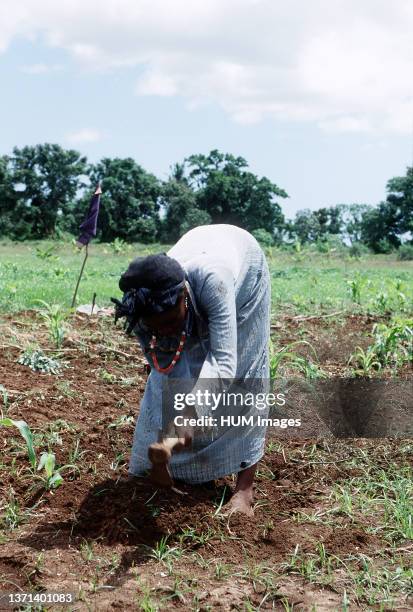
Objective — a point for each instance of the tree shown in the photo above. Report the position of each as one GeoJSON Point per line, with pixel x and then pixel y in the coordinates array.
{"type": "Point", "coordinates": [400, 199]}
{"type": "Point", "coordinates": [384, 227]}
{"type": "Point", "coordinates": [44, 179]}
{"type": "Point", "coordinates": [179, 203]}
{"type": "Point", "coordinates": [130, 200]}
{"type": "Point", "coordinates": [7, 197]}
{"type": "Point", "coordinates": [306, 226]}
{"type": "Point", "coordinates": [353, 216]}
{"type": "Point", "coordinates": [379, 228]}
{"type": "Point", "coordinates": [229, 193]}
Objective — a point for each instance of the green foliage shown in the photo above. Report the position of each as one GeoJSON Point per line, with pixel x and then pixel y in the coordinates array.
{"type": "Point", "coordinates": [119, 246]}
{"type": "Point", "coordinates": [25, 431]}
{"type": "Point", "coordinates": [52, 478]}
{"type": "Point", "coordinates": [358, 249]}
{"type": "Point", "coordinates": [37, 361]}
{"type": "Point", "coordinates": [54, 315]}
{"type": "Point", "coordinates": [129, 205]}
{"type": "Point", "coordinates": [316, 225]}
{"type": "Point", "coordinates": [181, 210]}
{"type": "Point", "coordinates": [294, 361]}
{"type": "Point", "coordinates": [405, 252]}
{"type": "Point", "coordinates": [47, 254]}
{"type": "Point", "coordinates": [392, 347]}
{"type": "Point", "coordinates": [263, 237]}
{"type": "Point", "coordinates": [365, 362]}
{"type": "Point", "coordinates": [356, 284]}
{"type": "Point", "coordinates": [40, 183]}
{"type": "Point", "coordinates": [229, 193]}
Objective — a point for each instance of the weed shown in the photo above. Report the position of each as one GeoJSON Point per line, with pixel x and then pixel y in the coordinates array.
{"type": "Point", "coordinates": [46, 254]}
{"type": "Point", "coordinates": [162, 551]}
{"type": "Point", "coordinates": [37, 361]}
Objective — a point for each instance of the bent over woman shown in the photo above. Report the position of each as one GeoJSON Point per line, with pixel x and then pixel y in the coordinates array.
{"type": "Point", "coordinates": [201, 311]}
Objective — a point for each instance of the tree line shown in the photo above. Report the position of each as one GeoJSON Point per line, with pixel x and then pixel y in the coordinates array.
{"type": "Point", "coordinates": [45, 191]}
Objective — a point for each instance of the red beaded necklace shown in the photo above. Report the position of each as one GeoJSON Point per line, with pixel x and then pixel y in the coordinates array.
{"type": "Point", "coordinates": [175, 359]}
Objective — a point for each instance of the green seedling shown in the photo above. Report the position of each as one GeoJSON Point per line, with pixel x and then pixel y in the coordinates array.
{"type": "Point", "coordinates": [54, 315]}
{"type": "Point", "coordinates": [47, 254]}
{"type": "Point", "coordinates": [52, 478]}
{"type": "Point", "coordinates": [25, 431]}
{"type": "Point", "coordinates": [366, 362]}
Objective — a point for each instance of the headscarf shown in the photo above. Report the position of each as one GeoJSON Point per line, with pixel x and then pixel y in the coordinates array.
{"type": "Point", "coordinates": [151, 285]}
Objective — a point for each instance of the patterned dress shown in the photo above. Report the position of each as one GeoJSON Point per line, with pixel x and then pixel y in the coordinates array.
{"type": "Point", "coordinates": [228, 338]}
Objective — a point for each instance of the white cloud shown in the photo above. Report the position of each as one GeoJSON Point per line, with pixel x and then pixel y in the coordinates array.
{"type": "Point", "coordinates": [84, 135]}
{"type": "Point", "coordinates": [343, 65]}
{"type": "Point", "coordinates": [41, 68]}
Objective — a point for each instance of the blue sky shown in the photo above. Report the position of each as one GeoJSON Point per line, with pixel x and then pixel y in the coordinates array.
{"type": "Point", "coordinates": [319, 102]}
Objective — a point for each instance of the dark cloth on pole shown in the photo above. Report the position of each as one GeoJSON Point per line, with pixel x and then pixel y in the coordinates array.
{"type": "Point", "coordinates": [89, 225]}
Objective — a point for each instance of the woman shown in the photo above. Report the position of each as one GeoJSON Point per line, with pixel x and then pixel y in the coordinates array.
{"type": "Point", "coordinates": [201, 311]}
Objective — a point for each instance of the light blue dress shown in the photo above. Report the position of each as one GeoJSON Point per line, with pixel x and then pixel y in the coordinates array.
{"type": "Point", "coordinates": [229, 285]}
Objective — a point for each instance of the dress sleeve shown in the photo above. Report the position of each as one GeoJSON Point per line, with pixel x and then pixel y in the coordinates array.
{"type": "Point", "coordinates": [217, 300]}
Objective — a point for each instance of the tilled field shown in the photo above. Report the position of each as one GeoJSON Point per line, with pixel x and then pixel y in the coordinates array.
{"type": "Point", "coordinates": [333, 519]}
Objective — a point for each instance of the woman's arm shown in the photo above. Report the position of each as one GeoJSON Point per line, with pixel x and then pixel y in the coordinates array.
{"type": "Point", "coordinates": [217, 301]}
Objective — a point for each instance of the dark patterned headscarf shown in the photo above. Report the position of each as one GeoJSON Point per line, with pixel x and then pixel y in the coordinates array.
{"type": "Point", "coordinates": [150, 285]}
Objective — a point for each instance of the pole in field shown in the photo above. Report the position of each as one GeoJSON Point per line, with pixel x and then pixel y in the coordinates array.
{"type": "Point", "coordinates": [88, 231]}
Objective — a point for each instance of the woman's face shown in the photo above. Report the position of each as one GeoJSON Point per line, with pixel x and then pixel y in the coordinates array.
{"type": "Point", "coordinates": [168, 323]}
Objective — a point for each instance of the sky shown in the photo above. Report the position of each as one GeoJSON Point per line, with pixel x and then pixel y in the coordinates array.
{"type": "Point", "coordinates": [317, 96]}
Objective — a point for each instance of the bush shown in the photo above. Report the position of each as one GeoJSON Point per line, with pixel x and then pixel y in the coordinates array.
{"type": "Point", "coordinates": [405, 252]}
{"type": "Point", "coordinates": [263, 237]}
{"type": "Point", "coordinates": [358, 249]}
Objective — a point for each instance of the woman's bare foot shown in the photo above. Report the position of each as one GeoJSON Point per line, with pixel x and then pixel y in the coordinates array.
{"type": "Point", "coordinates": [240, 502]}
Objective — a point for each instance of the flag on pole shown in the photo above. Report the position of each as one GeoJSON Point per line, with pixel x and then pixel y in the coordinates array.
{"type": "Point", "coordinates": [89, 225]}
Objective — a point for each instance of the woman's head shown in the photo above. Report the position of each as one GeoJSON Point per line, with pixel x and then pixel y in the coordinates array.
{"type": "Point", "coordinates": [155, 285]}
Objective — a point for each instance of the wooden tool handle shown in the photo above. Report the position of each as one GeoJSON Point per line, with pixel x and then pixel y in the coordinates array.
{"type": "Point", "coordinates": [160, 452]}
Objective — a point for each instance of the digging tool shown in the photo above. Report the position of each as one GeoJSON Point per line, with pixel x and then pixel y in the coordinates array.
{"type": "Point", "coordinates": [159, 454]}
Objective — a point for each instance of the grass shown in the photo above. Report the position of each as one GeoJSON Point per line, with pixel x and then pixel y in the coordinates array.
{"type": "Point", "coordinates": [305, 284]}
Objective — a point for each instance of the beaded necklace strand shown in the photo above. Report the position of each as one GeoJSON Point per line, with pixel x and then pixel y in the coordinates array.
{"type": "Point", "coordinates": [176, 357]}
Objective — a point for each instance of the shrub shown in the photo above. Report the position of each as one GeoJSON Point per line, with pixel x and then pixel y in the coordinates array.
{"type": "Point", "coordinates": [405, 252]}
{"type": "Point", "coordinates": [358, 249]}
{"type": "Point", "coordinates": [264, 237]}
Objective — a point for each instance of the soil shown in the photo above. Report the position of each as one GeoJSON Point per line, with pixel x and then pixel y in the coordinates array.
{"type": "Point", "coordinates": [98, 505]}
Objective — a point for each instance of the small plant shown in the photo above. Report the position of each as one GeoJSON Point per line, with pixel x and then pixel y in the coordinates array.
{"type": "Point", "coordinates": [162, 551]}
{"type": "Point", "coordinates": [365, 361]}
{"type": "Point", "coordinates": [47, 254]}
{"type": "Point", "coordinates": [5, 397]}
{"type": "Point", "coordinates": [356, 284]}
{"type": "Point", "coordinates": [52, 478]}
{"type": "Point", "coordinates": [37, 361]}
{"type": "Point", "coordinates": [119, 246]}
{"type": "Point", "coordinates": [393, 343]}
{"type": "Point", "coordinates": [122, 421]}
{"type": "Point", "coordinates": [25, 431]}
{"type": "Point", "coordinates": [293, 360]}
{"type": "Point", "coordinates": [107, 377]}
{"type": "Point", "coordinates": [382, 302]}
{"type": "Point", "coordinates": [54, 316]}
